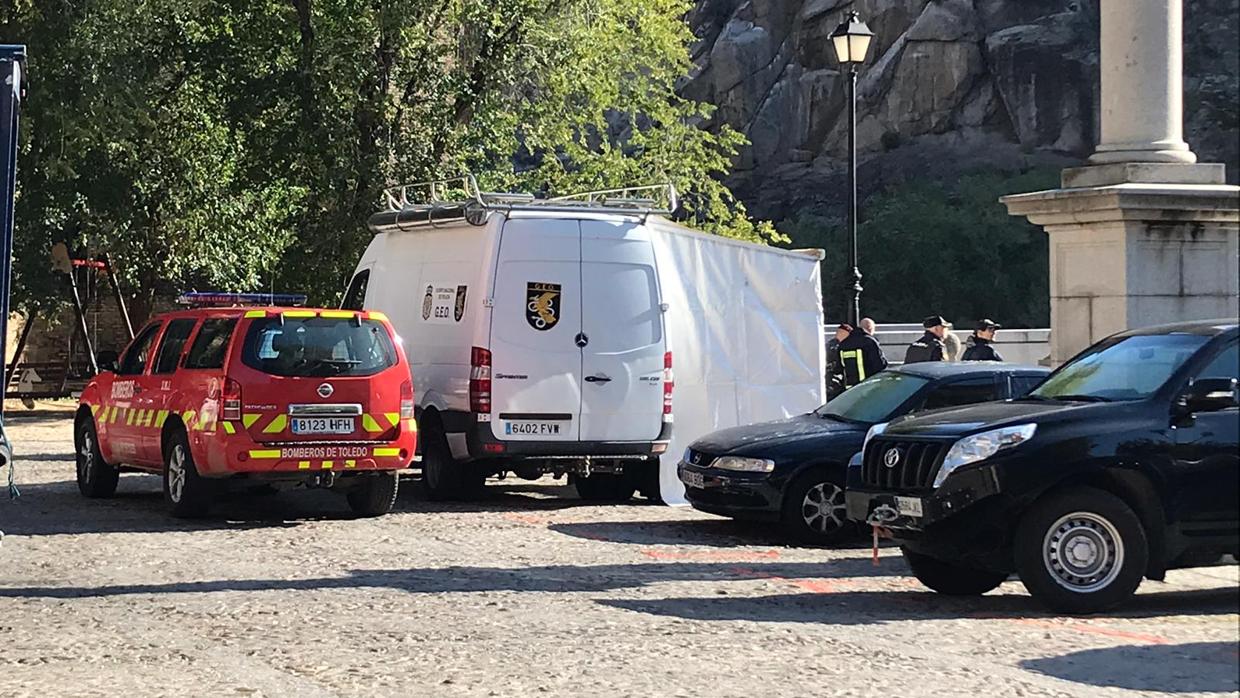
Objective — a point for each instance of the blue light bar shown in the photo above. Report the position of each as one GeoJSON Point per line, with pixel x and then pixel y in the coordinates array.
{"type": "Point", "coordinates": [206, 298]}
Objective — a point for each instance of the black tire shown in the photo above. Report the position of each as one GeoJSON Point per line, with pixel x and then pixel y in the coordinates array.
{"type": "Point", "coordinates": [604, 487]}
{"type": "Point", "coordinates": [96, 478]}
{"type": "Point", "coordinates": [443, 478]}
{"type": "Point", "coordinates": [813, 510]}
{"type": "Point", "coordinates": [952, 579]}
{"type": "Point", "coordinates": [1112, 558]}
{"type": "Point", "coordinates": [187, 494]}
{"type": "Point", "coordinates": [374, 494]}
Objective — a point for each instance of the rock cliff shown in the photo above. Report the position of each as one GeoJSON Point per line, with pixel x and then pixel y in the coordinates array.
{"type": "Point", "coordinates": [950, 86]}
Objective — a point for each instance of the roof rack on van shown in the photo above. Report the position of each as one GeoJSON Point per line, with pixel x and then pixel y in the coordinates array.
{"type": "Point", "coordinates": [443, 201]}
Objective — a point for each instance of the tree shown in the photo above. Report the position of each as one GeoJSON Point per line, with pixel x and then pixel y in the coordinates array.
{"type": "Point", "coordinates": [932, 248]}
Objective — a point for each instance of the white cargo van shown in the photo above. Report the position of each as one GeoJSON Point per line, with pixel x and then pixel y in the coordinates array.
{"type": "Point", "coordinates": [536, 330]}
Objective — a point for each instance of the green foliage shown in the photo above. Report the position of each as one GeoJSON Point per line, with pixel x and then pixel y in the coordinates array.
{"type": "Point", "coordinates": [243, 143]}
{"type": "Point", "coordinates": [933, 248]}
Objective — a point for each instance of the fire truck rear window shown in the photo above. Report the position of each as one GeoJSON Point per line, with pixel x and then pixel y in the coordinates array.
{"type": "Point", "coordinates": [318, 347]}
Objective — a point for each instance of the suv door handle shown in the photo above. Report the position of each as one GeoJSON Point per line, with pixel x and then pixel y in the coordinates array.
{"type": "Point", "coordinates": [597, 379]}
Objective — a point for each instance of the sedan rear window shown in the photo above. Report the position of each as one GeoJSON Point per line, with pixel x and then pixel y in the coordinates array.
{"type": "Point", "coordinates": [318, 346]}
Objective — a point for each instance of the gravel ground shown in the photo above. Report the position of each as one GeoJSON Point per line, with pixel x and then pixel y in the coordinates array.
{"type": "Point", "coordinates": [529, 592]}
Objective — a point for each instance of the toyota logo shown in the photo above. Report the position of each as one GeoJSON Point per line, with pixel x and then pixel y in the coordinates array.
{"type": "Point", "coordinates": [891, 458]}
{"type": "Point", "coordinates": [325, 390]}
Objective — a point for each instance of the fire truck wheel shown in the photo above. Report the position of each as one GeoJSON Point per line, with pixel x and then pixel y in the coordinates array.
{"type": "Point", "coordinates": [187, 493]}
{"type": "Point", "coordinates": [96, 477]}
{"type": "Point", "coordinates": [374, 495]}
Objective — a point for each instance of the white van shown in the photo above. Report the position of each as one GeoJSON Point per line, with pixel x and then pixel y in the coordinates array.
{"type": "Point", "coordinates": [536, 331]}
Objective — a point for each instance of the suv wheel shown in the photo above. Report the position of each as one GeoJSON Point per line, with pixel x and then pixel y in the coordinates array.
{"type": "Point", "coordinates": [1081, 550]}
{"type": "Point", "coordinates": [604, 487]}
{"type": "Point", "coordinates": [187, 493]}
{"type": "Point", "coordinates": [96, 478]}
{"type": "Point", "coordinates": [374, 494]}
{"type": "Point", "coordinates": [950, 578]}
{"type": "Point", "coordinates": [442, 477]}
{"type": "Point", "coordinates": [814, 510]}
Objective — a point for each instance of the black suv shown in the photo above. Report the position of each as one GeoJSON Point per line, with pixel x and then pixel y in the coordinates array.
{"type": "Point", "coordinates": [1122, 465]}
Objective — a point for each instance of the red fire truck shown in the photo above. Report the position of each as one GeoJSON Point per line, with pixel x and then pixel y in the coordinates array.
{"type": "Point", "coordinates": [277, 394]}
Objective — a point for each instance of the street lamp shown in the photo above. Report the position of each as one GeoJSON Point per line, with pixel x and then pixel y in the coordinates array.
{"type": "Point", "coordinates": [852, 42]}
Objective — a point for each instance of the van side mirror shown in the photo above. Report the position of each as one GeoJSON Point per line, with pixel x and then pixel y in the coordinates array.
{"type": "Point", "coordinates": [1209, 395]}
{"type": "Point", "coordinates": [107, 360]}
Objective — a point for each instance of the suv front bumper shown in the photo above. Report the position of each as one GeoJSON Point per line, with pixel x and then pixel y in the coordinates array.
{"type": "Point", "coordinates": [959, 494]}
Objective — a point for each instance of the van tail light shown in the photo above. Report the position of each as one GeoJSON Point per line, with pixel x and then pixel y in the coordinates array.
{"type": "Point", "coordinates": [231, 401]}
{"type": "Point", "coordinates": [669, 384]}
{"type": "Point", "coordinates": [480, 380]}
{"type": "Point", "coordinates": [406, 400]}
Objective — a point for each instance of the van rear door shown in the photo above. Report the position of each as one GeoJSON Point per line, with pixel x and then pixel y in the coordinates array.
{"type": "Point", "coordinates": [622, 360]}
{"type": "Point", "coordinates": [535, 322]}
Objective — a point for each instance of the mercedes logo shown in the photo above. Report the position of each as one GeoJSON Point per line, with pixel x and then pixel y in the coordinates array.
{"type": "Point", "coordinates": [325, 390]}
{"type": "Point", "coordinates": [891, 458]}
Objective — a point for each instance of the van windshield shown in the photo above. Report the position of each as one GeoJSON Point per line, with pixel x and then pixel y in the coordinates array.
{"type": "Point", "coordinates": [317, 346]}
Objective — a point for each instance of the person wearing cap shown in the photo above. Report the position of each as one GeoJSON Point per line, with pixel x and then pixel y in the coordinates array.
{"type": "Point", "coordinates": [861, 355]}
{"type": "Point", "coordinates": [930, 346]}
{"type": "Point", "coordinates": [981, 346]}
{"type": "Point", "coordinates": [835, 370]}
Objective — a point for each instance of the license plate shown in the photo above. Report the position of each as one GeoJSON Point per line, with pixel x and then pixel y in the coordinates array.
{"type": "Point", "coordinates": [692, 479]}
{"type": "Point", "coordinates": [533, 428]}
{"type": "Point", "coordinates": [909, 506]}
{"type": "Point", "coordinates": [323, 425]}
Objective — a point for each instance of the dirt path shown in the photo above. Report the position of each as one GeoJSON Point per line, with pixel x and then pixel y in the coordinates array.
{"type": "Point", "coordinates": [529, 592]}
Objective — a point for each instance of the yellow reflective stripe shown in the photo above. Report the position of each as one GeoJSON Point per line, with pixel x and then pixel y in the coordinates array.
{"type": "Point", "coordinates": [247, 420]}
{"type": "Point", "coordinates": [161, 417]}
{"type": "Point", "coordinates": [376, 315]}
{"type": "Point", "coordinates": [277, 425]}
{"type": "Point", "coordinates": [350, 463]}
{"type": "Point", "coordinates": [337, 313]}
{"type": "Point", "coordinates": [94, 410]}
{"type": "Point", "coordinates": [129, 415]}
{"type": "Point", "coordinates": [369, 423]}
{"type": "Point", "coordinates": [303, 465]}
{"type": "Point", "coordinates": [855, 355]}
{"type": "Point", "coordinates": [327, 465]}
{"type": "Point", "coordinates": [382, 452]}
{"type": "Point", "coordinates": [150, 419]}
{"type": "Point", "coordinates": [393, 417]}
{"type": "Point", "coordinates": [188, 417]}
{"type": "Point", "coordinates": [266, 453]}
{"type": "Point", "coordinates": [228, 428]}
{"type": "Point", "coordinates": [255, 313]}
{"type": "Point", "coordinates": [103, 413]}
{"type": "Point", "coordinates": [411, 425]}
{"type": "Point", "coordinates": [115, 413]}
{"type": "Point", "coordinates": [298, 313]}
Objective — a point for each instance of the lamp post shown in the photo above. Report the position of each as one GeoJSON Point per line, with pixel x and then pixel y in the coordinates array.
{"type": "Point", "coordinates": [852, 41]}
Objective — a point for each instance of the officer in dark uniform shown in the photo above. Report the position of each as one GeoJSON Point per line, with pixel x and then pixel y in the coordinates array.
{"type": "Point", "coordinates": [930, 346]}
{"type": "Point", "coordinates": [860, 356]}
{"type": "Point", "coordinates": [981, 347]}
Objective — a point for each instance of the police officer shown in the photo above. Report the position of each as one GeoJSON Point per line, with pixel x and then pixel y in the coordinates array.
{"type": "Point", "coordinates": [980, 345]}
{"type": "Point", "coordinates": [860, 356]}
{"type": "Point", "coordinates": [930, 346]}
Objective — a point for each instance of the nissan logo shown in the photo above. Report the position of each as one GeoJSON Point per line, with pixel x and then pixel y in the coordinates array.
{"type": "Point", "coordinates": [325, 390]}
{"type": "Point", "coordinates": [891, 458]}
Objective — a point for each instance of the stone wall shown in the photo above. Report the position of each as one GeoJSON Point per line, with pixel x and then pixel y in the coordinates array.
{"type": "Point", "coordinates": [951, 85]}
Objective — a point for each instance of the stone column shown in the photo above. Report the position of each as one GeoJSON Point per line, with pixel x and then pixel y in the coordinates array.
{"type": "Point", "coordinates": [1142, 70]}
{"type": "Point", "coordinates": [1145, 235]}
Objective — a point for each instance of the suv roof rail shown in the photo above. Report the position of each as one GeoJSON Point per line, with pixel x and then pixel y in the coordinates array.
{"type": "Point", "coordinates": [442, 201]}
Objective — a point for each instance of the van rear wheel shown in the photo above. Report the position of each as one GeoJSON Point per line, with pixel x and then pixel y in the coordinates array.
{"type": "Point", "coordinates": [442, 477]}
{"type": "Point", "coordinates": [604, 487]}
{"type": "Point", "coordinates": [187, 493]}
{"type": "Point", "coordinates": [374, 494]}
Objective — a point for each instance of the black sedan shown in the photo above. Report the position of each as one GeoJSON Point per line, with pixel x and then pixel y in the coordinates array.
{"type": "Point", "coordinates": [793, 470]}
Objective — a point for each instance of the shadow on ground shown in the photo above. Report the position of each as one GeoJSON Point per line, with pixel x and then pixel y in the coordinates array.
{"type": "Point", "coordinates": [862, 607]}
{"type": "Point", "coordinates": [1200, 667]}
{"type": "Point", "coordinates": [719, 533]}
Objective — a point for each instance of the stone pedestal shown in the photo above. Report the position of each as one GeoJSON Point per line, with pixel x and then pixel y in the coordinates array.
{"type": "Point", "coordinates": [1136, 244]}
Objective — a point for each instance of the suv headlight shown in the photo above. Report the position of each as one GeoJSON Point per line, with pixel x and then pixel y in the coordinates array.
{"type": "Point", "coordinates": [745, 465]}
{"type": "Point", "coordinates": [874, 431]}
{"type": "Point", "coordinates": [972, 449]}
